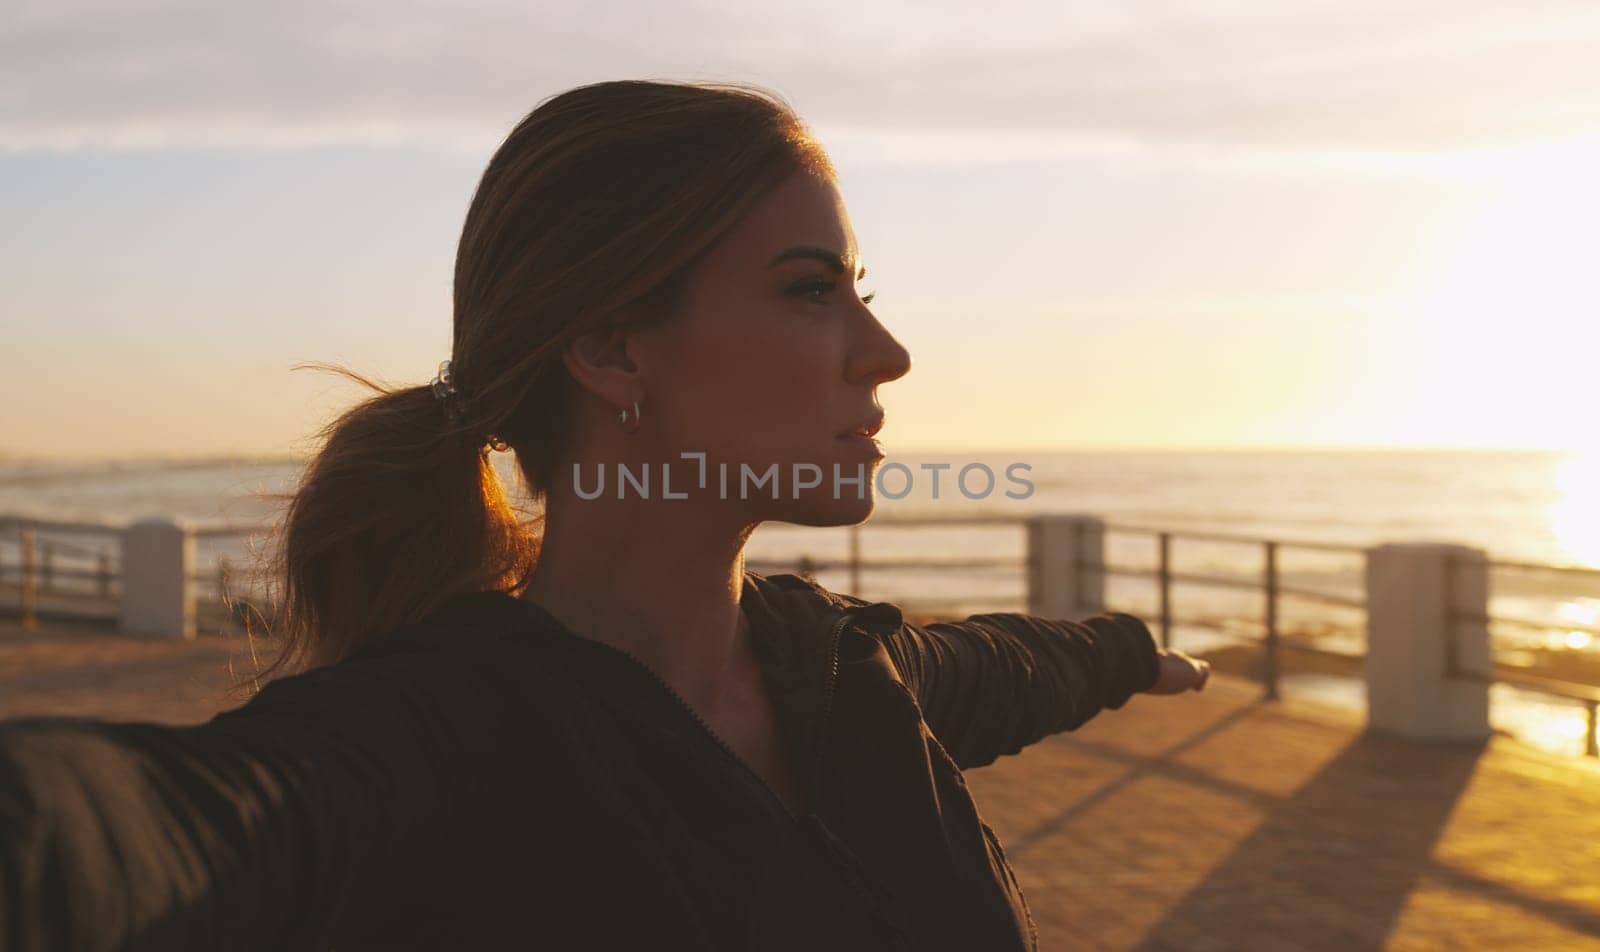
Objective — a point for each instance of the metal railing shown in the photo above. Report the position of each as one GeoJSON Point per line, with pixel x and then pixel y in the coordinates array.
{"type": "Point", "coordinates": [37, 571]}
{"type": "Point", "coordinates": [40, 569]}
{"type": "Point", "coordinates": [42, 560]}
{"type": "Point", "coordinates": [1270, 585]}
{"type": "Point", "coordinates": [1587, 695]}
{"type": "Point", "coordinates": [1272, 588]}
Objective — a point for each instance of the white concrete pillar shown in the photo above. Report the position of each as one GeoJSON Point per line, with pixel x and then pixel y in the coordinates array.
{"type": "Point", "coordinates": [1065, 555]}
{"type": "Point", "coordinates": [1408, 692]}
{"type": "Point", "coordinates": [157, 594]}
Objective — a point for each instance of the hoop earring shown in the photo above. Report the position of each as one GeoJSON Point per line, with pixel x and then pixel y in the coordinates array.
{"type": "Point", "coordinates": [623, 416]}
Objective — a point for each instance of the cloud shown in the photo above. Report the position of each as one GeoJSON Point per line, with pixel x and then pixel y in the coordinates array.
{"type": "Point", "coordinates": [1357, 77]}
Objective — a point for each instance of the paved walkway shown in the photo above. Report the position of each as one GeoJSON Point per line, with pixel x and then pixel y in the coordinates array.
{"type": "Point", "coordinates": [91, 673]}
{"type": "Point", "coordinates": [1195, 822]}
{"type": "Point", "coordinates": [1215, 821]}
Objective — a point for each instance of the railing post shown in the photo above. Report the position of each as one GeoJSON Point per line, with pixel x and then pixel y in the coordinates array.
{"type": "Point", "coordinates": [157, 591]}
{"type": "Point", "coordinates": [1414, 604]}
{"type": "Point", "coordinates": [806, 571]}
{"type": "Point", "coordinates": [1164, 575]}
{"type": "Point", "coordinates": [1066, 565]}
{"type": "Point", "coordinates": [1270, 668]}
{"type": "Point", "coordinates": [26, 596]}
{"type": "Point", "coordinates": [103, 573]}
{"type": "Point", "coordinates": [47, 567]}
{"type": "Point", "coordinates": [1590, 746]}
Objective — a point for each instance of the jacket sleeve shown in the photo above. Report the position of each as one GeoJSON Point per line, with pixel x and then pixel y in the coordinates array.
{"type": "Point", "coordinates": [993, 683]}
{"type": "Point", "coordinates": [259, 829]}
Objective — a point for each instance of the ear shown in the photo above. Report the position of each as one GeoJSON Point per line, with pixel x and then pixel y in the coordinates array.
{"type": "Point", "coordinates": [600, 363]}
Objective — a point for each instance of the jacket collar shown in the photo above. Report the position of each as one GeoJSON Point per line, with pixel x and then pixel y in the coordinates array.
{"type": "Point", "coordinates": [791, 619]}
{"type": "Point", "coordinates": [805, 636]}
{"type": "Point", "coordinates": [791, 623]}
{"type": "Point", "coordinates": [800, 630]}
{"type": "Point", "coordinates": [795, 608]}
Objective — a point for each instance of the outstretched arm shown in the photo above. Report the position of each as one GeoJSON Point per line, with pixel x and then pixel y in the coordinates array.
{"type": "Point", "coordinates": [993, 683]}
{"type": "Point", "coordinates": [263, 828]}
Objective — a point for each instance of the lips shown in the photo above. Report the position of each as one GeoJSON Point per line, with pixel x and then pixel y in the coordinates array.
{"type": "Point", "coordinates": [867, 428]}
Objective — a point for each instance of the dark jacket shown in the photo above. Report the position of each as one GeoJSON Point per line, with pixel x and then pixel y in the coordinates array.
{"type": "Point", "coordinates": [487, 779]}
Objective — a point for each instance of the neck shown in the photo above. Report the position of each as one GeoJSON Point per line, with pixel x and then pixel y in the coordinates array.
{"type": "Point", "coordinates": [656, 580]}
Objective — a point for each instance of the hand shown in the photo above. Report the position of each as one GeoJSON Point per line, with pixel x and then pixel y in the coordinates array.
{"type": "Point", "coordinates": [1179, 673]}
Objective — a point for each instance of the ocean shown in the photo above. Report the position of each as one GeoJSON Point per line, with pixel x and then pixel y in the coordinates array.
{"type": "Point", "coordinates": [1523, 506]}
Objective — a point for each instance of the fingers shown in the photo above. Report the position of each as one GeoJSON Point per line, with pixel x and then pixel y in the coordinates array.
{"type": "Point", "coordinates": [1181, 672]}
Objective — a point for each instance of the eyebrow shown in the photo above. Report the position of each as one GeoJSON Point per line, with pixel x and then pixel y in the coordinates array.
{"type": "Point", "coordinates": [832, 259]}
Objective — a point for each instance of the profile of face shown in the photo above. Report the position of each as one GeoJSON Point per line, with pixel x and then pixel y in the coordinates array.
{"type": "Point", "coordinates": [773, 358]}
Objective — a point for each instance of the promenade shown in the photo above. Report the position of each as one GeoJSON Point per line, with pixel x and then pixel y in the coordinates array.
{"type": "Point", "coordinates": [1209, 821]}
{"type": "Point", "coordinates": [1216, 821]}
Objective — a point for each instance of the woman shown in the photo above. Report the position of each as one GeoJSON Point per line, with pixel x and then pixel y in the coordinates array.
{"type": "Point", "coordinates": [605, 734]}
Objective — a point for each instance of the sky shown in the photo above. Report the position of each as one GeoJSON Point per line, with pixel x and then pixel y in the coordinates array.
{"type": "Point", "coordinates": [1120, 225]}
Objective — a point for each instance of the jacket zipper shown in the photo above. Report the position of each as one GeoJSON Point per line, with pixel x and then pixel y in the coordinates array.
{"type": "Point", "coordinates": [814, 782]}
{"type": "Point", "coordinates": [761, 783]}
{"type": "Point", "coordinates": [855, 874]}
{"type": "Point", "coordinates": [820, 830]}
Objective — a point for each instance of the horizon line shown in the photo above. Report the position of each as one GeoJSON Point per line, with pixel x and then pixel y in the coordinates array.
{"type": "Point", "coordinates": [290, 457]}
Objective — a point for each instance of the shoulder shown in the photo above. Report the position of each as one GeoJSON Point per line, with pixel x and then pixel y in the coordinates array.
{"type": "Point", "coordinates": [465, 621]}
{"type": "Point", "coordinates": [459, 651]}
{"type": "Point", "coordinates": [805, 596]}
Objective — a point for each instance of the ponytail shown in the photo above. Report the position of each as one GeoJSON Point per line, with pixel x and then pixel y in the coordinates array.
{"type": "Point", "coordinates": [397, 513]}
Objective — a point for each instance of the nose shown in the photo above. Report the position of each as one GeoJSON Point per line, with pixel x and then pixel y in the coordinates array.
{"type": "Point", "coordinates": [876, 356]}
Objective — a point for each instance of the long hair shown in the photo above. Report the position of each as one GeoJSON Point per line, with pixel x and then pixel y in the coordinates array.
{"type": "Point", "coordinates": [595, 207]}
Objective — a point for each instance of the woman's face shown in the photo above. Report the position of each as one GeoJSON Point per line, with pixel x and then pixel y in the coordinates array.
{"type": "Point", "coordinates": [772, 357]}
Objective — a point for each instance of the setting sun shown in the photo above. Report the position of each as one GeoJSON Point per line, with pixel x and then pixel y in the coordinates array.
{"type": "Point", "coordinates": [1575, 514]}
{"type": "Point", "coordinates": [1502, 313]}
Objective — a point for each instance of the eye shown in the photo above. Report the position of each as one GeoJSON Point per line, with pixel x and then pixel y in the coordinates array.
{"type": "Point", "coordinates": [818, 287]}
